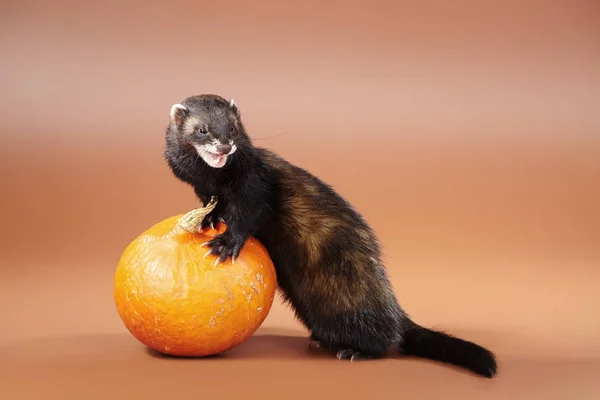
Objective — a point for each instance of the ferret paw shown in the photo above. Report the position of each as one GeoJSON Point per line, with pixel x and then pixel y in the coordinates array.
{"type": "Point", "coordinates": [209, 221]}
{"type": "Point", "coordinates": [224, 246]}
{"type": "Point", "coordinates": [351, 354]}
{"type": "Point", "coordinates": [314, 342]}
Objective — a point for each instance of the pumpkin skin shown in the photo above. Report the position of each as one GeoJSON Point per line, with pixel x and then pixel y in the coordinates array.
{"type": "Point", "coordinates": [177, 302]}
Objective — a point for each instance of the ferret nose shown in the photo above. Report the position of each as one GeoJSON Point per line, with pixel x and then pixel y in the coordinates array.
{"type": "Point", "coordinates": [224, 148]}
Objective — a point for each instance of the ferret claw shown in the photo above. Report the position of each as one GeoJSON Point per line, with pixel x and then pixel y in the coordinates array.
{"type": "Point", "coordinates": [349, 354]}
{"type": "Point", "coordinates": [208, 253]}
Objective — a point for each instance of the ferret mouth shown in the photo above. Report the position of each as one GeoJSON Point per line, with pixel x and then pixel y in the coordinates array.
{"type": "Point", "coordinates": [212, 158]}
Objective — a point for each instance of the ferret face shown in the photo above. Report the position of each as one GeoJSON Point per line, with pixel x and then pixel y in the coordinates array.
{"type": "Point", "coordinates": [211, 125]}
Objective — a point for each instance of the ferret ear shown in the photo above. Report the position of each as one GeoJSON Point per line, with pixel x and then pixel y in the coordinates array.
{"type": "Point", "coordinates": [234, 107]}
{"type": "Point", "coordinates": [178, 114]}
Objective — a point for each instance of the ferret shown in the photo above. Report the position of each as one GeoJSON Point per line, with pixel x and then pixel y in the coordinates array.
{"type": "Point", "coordinates": [327, 258]}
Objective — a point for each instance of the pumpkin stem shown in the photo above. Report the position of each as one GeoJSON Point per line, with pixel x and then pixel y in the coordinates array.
{"type": "Point", "coordinates": [191, 221]}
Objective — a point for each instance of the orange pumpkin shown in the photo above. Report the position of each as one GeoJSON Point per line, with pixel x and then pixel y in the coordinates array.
{"type": "Point", "coordinates": [174, 300]}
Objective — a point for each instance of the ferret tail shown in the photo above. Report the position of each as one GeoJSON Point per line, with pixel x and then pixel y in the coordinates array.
{"type": "Point", "coordinates": [440, 346]}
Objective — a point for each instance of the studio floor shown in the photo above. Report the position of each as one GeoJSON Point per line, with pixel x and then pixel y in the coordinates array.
{"type": "Point", "coordinates": [62, 339]}
{"type": "Point", "coordinates": [270, 365]}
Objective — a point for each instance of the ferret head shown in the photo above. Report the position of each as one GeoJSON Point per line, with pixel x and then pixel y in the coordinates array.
{"type": "Point", "coordinates": [210, 124]}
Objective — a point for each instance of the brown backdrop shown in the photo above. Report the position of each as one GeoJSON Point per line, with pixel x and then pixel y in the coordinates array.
{"type": "Point", "coordinates": [464, 131]}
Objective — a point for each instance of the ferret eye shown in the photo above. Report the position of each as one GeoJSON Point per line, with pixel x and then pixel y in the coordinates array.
{"type": "Point", "coordinates": [232, 130]}
{"type": "Point", "coordinates": [202, 131]}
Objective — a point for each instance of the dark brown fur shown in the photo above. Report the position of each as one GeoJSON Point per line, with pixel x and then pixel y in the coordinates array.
{"type": "Point", "coordinates": [317, 218]}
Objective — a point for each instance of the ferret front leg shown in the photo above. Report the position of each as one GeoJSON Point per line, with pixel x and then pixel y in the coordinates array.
{"type": "Point", "coordinates": [243, 217]}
